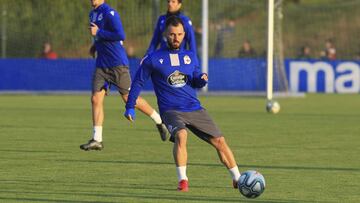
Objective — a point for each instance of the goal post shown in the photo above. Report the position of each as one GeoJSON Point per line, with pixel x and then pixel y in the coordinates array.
{"type": "Point", "coordinates": [226, 26]}
{"type": "Point", "coordinates": [270, 50]}
{"type": "Point", "coordinates": [205, 39]}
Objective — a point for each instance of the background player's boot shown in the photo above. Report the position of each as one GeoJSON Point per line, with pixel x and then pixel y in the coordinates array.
{"type": "Point", "coordinates": [183, 186]}
{"type": "Point", "coordinates": [92, 145]}
{"type": "Point", "coordinates": [163, 131]}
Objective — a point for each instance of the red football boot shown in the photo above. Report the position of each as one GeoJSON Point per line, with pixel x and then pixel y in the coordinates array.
{"type": "Point", "coordinates": [183, 186]}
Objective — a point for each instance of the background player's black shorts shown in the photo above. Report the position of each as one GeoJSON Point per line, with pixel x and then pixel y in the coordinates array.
{"type": "Point", "coordinates": [199, 122]}
{"type": "Point", "coordinates": [118, 76]}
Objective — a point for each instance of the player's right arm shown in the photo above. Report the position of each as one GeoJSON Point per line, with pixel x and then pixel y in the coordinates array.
{"type": "Point", "coordinates": [92, 50]}
{"type": "Point", "coordinates": [156, 39]}
{"type": "Point", "coordinates": [141, 76]}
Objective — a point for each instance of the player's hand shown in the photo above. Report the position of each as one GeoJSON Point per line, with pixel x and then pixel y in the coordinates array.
{"type": "Point", "coordinates": [204, 76]}
{"type": "Point", "coordinates": [130, 114]}
{"type": "Point", "coordinates": [93, 29]}
{"type": "Point", "coordinates": [92, 51]}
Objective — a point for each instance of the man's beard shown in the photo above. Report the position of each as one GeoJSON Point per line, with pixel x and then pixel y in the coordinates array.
{"type": "Point", "coordinates": [173, 46]}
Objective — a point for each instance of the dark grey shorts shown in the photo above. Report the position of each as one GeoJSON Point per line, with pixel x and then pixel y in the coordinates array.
{"type": "Point", "coordinates": [198, 122]}
{"type": "Point", "coordinates": [118, 76]}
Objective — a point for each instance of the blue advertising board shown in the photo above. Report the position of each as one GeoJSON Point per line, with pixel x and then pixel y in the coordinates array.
{"type": "Point", "coordinates": [323, 76]}
{"type": "Point", "coordinates": [224, 75]}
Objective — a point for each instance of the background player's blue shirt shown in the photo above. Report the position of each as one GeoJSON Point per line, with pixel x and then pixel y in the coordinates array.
{"type": "Point", "coordinates": [175, 76]}
{"type": "Point", "coordinates": [158, 37]}
{"type": "Point", "coordinates": [109, 38]}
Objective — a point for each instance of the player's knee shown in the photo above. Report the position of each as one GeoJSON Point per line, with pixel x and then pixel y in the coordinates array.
{"type": "Point", "coordinates": [181, 136]}
{"type": "Point", "coordinates": [96, 99]}
{"type": "Point", "coordinates": [219, 142]}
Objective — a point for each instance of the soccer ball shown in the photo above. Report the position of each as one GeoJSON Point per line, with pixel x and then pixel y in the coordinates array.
{"type": "Point", "coordinates": [251, 184]}
{"type": "Point", "coordinates": [273, 107]}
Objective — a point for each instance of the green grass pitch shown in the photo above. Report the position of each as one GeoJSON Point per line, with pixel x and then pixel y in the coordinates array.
{"type": "Point", "coordinates": [309, 152]}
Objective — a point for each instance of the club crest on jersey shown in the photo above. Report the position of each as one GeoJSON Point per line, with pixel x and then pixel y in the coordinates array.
{"type": "Point", "coordinates": [100, 17]}
{"type": "Point", "coordinates": [187, 59]}
{"type": "Point", "coordinates": [177, 79]}
{"type": "Point", "coordinates": [161, 61]}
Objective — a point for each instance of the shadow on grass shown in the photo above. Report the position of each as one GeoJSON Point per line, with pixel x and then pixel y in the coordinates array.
{"type": "Point", "coordinates": [129, 162]}
{"type": "Point", "coordinates": [5, 199]}
{"type": "Point", "coordinates": [85, 184]}
{"type": "Point", "coordinates": [29, 151]}
{"type": "Point", "coordinates": [136, 197]}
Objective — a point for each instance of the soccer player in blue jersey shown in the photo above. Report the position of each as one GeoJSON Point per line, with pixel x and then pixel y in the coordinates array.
{"type": "Point", "coordinates": [112, 68]}
{"type": "Point", "coordinates": [174, 7]}
{"type": "Point", "coordinates": [175, 74]}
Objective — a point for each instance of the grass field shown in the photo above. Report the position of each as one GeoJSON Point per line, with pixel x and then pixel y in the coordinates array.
{"type": "Point", "coordinates": [307, 153]}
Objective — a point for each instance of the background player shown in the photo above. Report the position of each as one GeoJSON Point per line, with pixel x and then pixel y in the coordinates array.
{"type": "Point", "coordinates": [176, 75]}
{"type": "Point", "coordinates": [112, 68]}
{"type": "Point", "coordinates": [174, 7]}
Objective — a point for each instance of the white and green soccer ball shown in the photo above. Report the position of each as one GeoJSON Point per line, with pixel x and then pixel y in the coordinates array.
{"type": "Point", "coordinates": [273, 107]}
{"type": "Point", "coordinates": [251, 184]}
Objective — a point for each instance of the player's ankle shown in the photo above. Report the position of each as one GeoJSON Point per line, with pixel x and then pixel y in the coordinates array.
{"type": "Point", "coordinates": [156, 117]}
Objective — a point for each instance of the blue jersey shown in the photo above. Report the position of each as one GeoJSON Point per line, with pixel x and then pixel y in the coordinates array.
{"type": "Point", "coordinates": [109, 38]}
{"type": "Point", "coordinates": [175, 75]}
{"type": "Point", "coordinates": [158, 37]}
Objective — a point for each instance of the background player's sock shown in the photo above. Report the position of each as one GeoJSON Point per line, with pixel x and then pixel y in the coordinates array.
{"type": "Point", "coordinates": [181, 173]}
{"type": "Point", "coordinates": [97, 133]}
{"type": "Point", "coordinates": [234, 172]}
{"type": "Point", "coordinates": [156, 117]}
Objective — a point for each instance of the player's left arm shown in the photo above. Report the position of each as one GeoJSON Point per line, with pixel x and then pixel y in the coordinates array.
{"type": "Point", "coordinates": [141, 76]}
{"type": "Point", "coordinates": [116, 32]}
{"type": "Point", "coordinates": [92, 51]}
{"type": "Point", "coordinates": [200, 79]}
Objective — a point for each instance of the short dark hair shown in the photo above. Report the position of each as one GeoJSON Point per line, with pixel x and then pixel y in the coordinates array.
{"type": "Point", "coordinates": [173, 20]}
{"type": "Point", "coordinates": [179, 1]}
